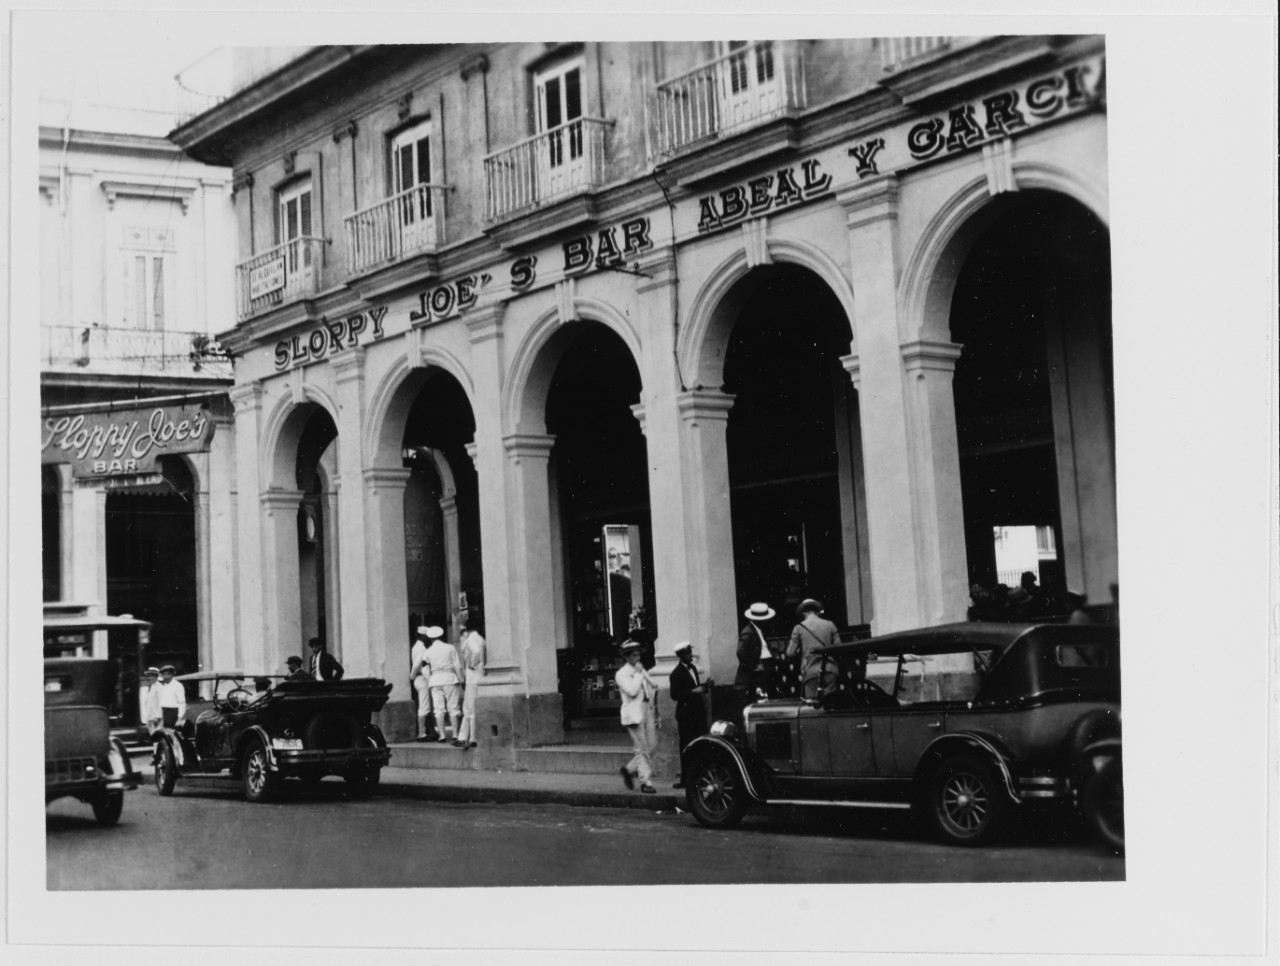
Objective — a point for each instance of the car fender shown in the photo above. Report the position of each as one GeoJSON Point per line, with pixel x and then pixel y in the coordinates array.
{"type": "Point", "coordinates": [968, 741]}
{"type": "Point", "coordinates": [375, 736]}
{"type": "Point", "coordinates": [261, 734]}
{"type": "Point", "coordinates": [744, 761]}
{"type": "Point", "coordinates": [175, 743]}
{"type": "Point", "coordinates": [118, 759]}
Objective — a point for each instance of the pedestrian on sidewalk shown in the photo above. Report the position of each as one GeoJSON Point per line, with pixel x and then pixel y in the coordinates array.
{"type": "Point", "coordinates": [166, 704]}
{"type": "Point", "coordinates": [638, 697]}
{"type": "Point", "coordinates": [324, 666]}
{"type": "Point", "coordinates": [419, 677]}
{"type": "Point", "coordinates": [473, 658]}
{"type": "Point", "coordinates": [149, 678]}
{"type": "Point", "coordinates": [687, 690]}
{"type": "Point", "coordinates": [446, 676]}
{"type": "Point", "coordinates": [755, 660]}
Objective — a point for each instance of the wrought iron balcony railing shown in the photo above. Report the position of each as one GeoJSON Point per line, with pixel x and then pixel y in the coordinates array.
{"type": "Point", "coordinates": [403, 225]}
{"type": "Point", "coordinates": [279, 275]}
{"type": "Point", "coordinates": [747, 86]}
{"type": "Point", "coordinates": [555, 164]}
{"type": "Point", "coordinates": [125, 351]}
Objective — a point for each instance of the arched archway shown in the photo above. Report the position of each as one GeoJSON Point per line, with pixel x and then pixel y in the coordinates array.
{"type": "Point", "coordinates": [315, 465]}
{"type": "Point", "coordinates": [1030, 302]}
{"type": "Point", "coordinates": [794, 450]}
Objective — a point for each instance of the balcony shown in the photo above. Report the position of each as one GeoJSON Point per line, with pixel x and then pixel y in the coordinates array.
{"type": "Point", "coordinates": [410, 223]}
{"type": "Point", "coordinates": [744, 88]}
{"type": "Point", "coordinates": [896, 52]}
{"type": "Point", "coordinates": [556, 164]}
{"type": "Point", "coordinates": [122, 351]}
{"type": "Point", "coordinates": [278, 276]}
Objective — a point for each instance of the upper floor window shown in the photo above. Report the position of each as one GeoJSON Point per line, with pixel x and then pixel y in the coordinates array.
{"type": "Point", "coordinates": [294, 223]}
{"type": "Point", "coordinates": [748, 85]}
{"type": "Point", "coordinates": [146, 256]}
{"type": "Point", "coordinates": [559, 93]}
{"type": "Point", "coordinates": [411, 169]}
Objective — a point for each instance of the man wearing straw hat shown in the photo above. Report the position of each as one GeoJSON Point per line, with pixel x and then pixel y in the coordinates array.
{"type": "Point", "coordinates": [638, 697]}
{"type": "Point", "coordinates": [754, 656]}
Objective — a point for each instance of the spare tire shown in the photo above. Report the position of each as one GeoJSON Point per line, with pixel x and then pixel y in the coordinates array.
{"type": "Point", "coordinates": [333, 731]}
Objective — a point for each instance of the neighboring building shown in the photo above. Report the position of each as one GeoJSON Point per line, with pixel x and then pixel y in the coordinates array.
{"type": "Point", "coordinates": [759, 320]}
{"type": "Point", "coordinates": [136, 247]}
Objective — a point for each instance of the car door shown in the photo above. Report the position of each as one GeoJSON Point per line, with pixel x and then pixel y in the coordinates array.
{"type": "Point", "coordinates": [914, 728]}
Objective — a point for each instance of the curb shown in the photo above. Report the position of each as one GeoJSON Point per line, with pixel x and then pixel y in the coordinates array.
{"type": "Point", "coordinates": [530, 796]}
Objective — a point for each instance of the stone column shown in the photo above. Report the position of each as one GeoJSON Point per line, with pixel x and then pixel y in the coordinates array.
{"type": "Point", "coordinates": [222, 605]}
{"type": "Point", "coordinates": [871, 217]}
{"type": "Point", "coordinates": [85, 239]}
{"type": "Point", "coordinates": [939, 512]}
{"type": "Point", "coordinates": [387, 654]}
{"type": "Point", "coordinates": [88, 571]}
{"type": "Point", "coordinates": [708, 528]}
{"type": "Point", "coordinates": [853, 497]}
{"type": "Point", "coordinates": [66, 531]}
{"type": "Point", "coordinates": [250, 558]}
{"type": "Point", "coordinates": [204, 615]}
{"type": "Point", "coordinates": [332, 570]}
{"type": "Point", "coordinates": [358, 626]}
{"type": "Point", "coordinates": [533, 590]}
{"type": "Point", "coordinates": [282, 599]}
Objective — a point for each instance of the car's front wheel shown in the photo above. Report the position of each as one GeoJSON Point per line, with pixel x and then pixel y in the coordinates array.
{"type": "Point", "coordinates": [166, 770]}
{"type": "Point", "coordinates": [716, 793]}
{"type": "Point", "coordinates": [1104, 805]}
{"type": "Point", "coordinates": [966, 804]}
{"type": "Point", "coordinates": [259, 780]}
{"type": "Point", "coordinates": [108, 806]}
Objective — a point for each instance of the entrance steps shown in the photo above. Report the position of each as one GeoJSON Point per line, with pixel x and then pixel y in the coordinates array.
{"type": "Point", "coordinates": [591, 747]}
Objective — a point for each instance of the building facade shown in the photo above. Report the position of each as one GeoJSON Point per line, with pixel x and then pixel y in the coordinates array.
{"type": "Point", "coordinates": [588, 340]}
{"type": "Point", "coordinates": [137, 478]}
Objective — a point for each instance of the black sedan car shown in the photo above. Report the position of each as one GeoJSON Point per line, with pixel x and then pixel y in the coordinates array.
{"type": "Point", "coordinates": [262, 729]}
{"type": "Point", "coordinates": [965, 723]}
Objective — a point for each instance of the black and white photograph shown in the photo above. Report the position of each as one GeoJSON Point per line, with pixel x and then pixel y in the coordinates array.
{"type": "Point", "coordinates": [641, 475]}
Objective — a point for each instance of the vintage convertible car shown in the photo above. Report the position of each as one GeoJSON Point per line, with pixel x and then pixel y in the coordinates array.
{"type": "Point", "coordinates": [81, 758]}
{"type": "Point", "coordinates": [262, 728]}
{"type": "Point", "coordinates": [964, 722]}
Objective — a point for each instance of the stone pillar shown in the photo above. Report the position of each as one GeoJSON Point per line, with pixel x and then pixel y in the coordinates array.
{"type": "Point", "coordinates": [356, 623]}
{"type": "Point", "coordinates": [204, 615]}
{"type": "Point", "coordinates": [708, 528]}
{"type": "Point", "coordinates": [88, 526]}
{"type": "Point", "coordinates": [66, 531]}
{"type": "Point", "coordinates": [282, 599]}
{"type": "Point", "coordinates": [387, 655]}
{"type": "Point", "coordinates": [853, 498]}
{"type": "Point", "coordinates": [871, 217]}
{"type": "Point", "coordinates": [86, 237]}
{"type": "Point", "coordinates": [332, 570]}
{"type": "Point", "coordinates": [533, 592]}
{"type": "Point", "coordinates": [247, 402]}
{"type": "Point", "coordinates": [939, 512]}
{"type": "Point", "coordinates": [222, 605]}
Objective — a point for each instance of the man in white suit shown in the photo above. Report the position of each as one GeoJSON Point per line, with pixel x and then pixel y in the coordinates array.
{"type": "Point", "coordinates": [638, 695]}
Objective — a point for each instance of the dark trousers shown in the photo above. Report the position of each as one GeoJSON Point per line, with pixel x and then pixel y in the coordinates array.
{"type": "Point", "coordinates": [691, 722]}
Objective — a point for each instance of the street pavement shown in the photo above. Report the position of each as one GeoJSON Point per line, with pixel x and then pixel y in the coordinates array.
{"type": "Point", "coordinates": [207, 837]}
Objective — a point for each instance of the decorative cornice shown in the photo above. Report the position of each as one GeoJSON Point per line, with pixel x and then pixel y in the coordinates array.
{"type": "Point", "coordinates": [755, 241]}
{"type": "Point", "coordinates": [566, 295]}
{"type": "Point", "coordinates": [348, 364]}
{"type": "Point", "coordinates": [479, 64]}
{"type": "Point", "coordinates": [472, 453]}
{"type": "Point", "coordinates": [528, 446]}
{"type": "Point", "coordinates": [348, 130]}
{"type": "Point", "coordinates": [638, 412]}
{"type": "Point", "coordinates": [870, 201]}
{"type": "Point", "coordinates": [290, 163]}
{"type": "Point", "coordinates": [288, 500]}
{"type": "Point", "coordinates": [926, 354]}
{"type": "Point", "coordinates": [404, 105]}
{"type": "Point", "coordinates": [485, 322]}
{"type": "Point", "coordinates": [853, 366]}
{"type": "Point", "coordinates": [997, 159]}
{"type": "Point", "coordinates": [149, 190]}
{"type": "Point", "coordinates": [386, 477]}
{"type": "Point", "coordinates": [243, 181]}
{"type": "Point", "coordinates": [246, 397]}
{"type": "Point", "coordinates": [696, 405]}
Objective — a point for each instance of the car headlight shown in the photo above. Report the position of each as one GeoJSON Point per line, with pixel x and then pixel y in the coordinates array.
{"type": "Point", "coordinates": [724, 729]}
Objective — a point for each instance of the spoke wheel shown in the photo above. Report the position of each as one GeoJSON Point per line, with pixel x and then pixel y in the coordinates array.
{"type": "Point", "coordinates": [108, 806]}
{"type": "Point", "coordinates": [259, 782]}
{"type": "Point", "coordinates": [967, 804]}
{"type": "Point", "coordinates": [1104, 805]}
{"type": "Point", "coordinates": [166, 769]}
{"type": "Point", "coordinates": [716, 794]}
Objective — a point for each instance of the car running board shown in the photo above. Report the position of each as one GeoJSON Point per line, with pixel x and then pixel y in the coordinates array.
{"type": "Point", "coordinates": [826, 803]}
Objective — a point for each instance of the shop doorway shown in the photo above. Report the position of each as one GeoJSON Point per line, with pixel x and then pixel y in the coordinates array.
{"type": "Point", "coordinates": [317, 542]}
{"type": "Point", "coordinates": [797, 502]}
{"type": "Point", "coordinates": [1034, 400]}
{"type": "Point", "coordinates": [443, 573]}
{"type": "Point", "coordinates": [600, 507]}
{"type": "Point", "coordinates": [51, 533]}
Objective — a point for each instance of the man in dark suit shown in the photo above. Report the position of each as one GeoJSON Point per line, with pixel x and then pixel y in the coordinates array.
{"type": "Point", "coordinates": [755, 660]}
{"type": "Point", "coordinates": [687, 690]}
{"type": "Point", "coordinates": [324, 666]}
{"type": "Point", "coordinates": [295, 669]}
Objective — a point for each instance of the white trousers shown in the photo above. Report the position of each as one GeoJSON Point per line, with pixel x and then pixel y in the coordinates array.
{"type": "Point", "coordinates": [468, 730]}
{"type": "Point", "coordinates": [424, 695]}
{"type": "Point", "coordinates": [644, 739]}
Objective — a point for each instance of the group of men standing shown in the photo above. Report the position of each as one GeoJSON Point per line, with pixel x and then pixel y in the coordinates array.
{"type": "Point", "coordinates": [758, 677]}
{"type": "Point", "coordinates": [441, 672]}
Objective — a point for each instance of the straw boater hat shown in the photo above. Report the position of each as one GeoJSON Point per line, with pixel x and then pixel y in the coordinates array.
{"type": "Point", "coordinates": [627, 646]}
{"type": "Point", "coordinates": [682, 646]}
{"type": "Point", "coordinates": [759, 612]}
{"type": "Point", "coordinates": [434, 632]}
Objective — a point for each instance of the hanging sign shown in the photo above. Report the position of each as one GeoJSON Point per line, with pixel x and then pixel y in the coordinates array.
{"type": "Point", "coordinates": [124, 444]}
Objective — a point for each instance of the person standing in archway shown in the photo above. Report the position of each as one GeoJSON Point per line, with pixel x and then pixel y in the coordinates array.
{"type": "Point", "coordinates": [419, 677]}
{"type": "Point", "coordinates": [754, 656]}
{"type": "Point", "coordinates": [813, 630]}
{"type": "Point", "coordinates": [445, 668]}
{"type": "Point", "coordinates": [473, 660]}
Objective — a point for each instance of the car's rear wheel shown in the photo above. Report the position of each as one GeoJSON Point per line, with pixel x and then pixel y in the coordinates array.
{"type": "Point", "coordinates": [966, 803]}
{"type": "Point", "coordinates": [108, 806]}
{"type": "Point", "coordinates": [1104, 805]}
{"type": "Point", "coordinates": [166, 770]}
{"type": "Point", "coordinates": [716, 793]}
{"type": "Point", "coordinates": [259, 780]}
{"type": "Point", "coordinates": [362, 780]}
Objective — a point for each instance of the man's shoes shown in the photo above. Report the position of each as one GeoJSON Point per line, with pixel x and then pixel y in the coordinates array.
{"type": "Point", "coordinates": [441, 740]}
{"type": "Point", "coordinates": [626, 778]}
{"type": "Point", "coordinates": [471, 744]}
{"type": "Point", "coordinates": [648, 789]}
{"type": "Point", "coordinates": [459, 744]}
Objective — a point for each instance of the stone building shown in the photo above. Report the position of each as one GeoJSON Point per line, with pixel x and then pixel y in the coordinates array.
{"type": "Point", "coordinates": [134, 267]}
{"type": "Point", "coordinates": [606, 338]}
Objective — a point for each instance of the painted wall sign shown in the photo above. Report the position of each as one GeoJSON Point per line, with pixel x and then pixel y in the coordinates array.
{"type": "Point", "coordinates": [128, 443]}
{"type": "Point", "coordinates": [579, 254]}
{"type": "Point", "coordinates": [330, 336]}
{"type": "Point", "coordinates": [266, 279]}
{"type": "Point", "coordinates": [445, 301]}
{"type": "Point", "coordinates": [765, 193]}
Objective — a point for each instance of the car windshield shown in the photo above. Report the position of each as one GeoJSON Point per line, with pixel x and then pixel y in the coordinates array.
{"type": "Point", "coordinates": [952, 676]}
